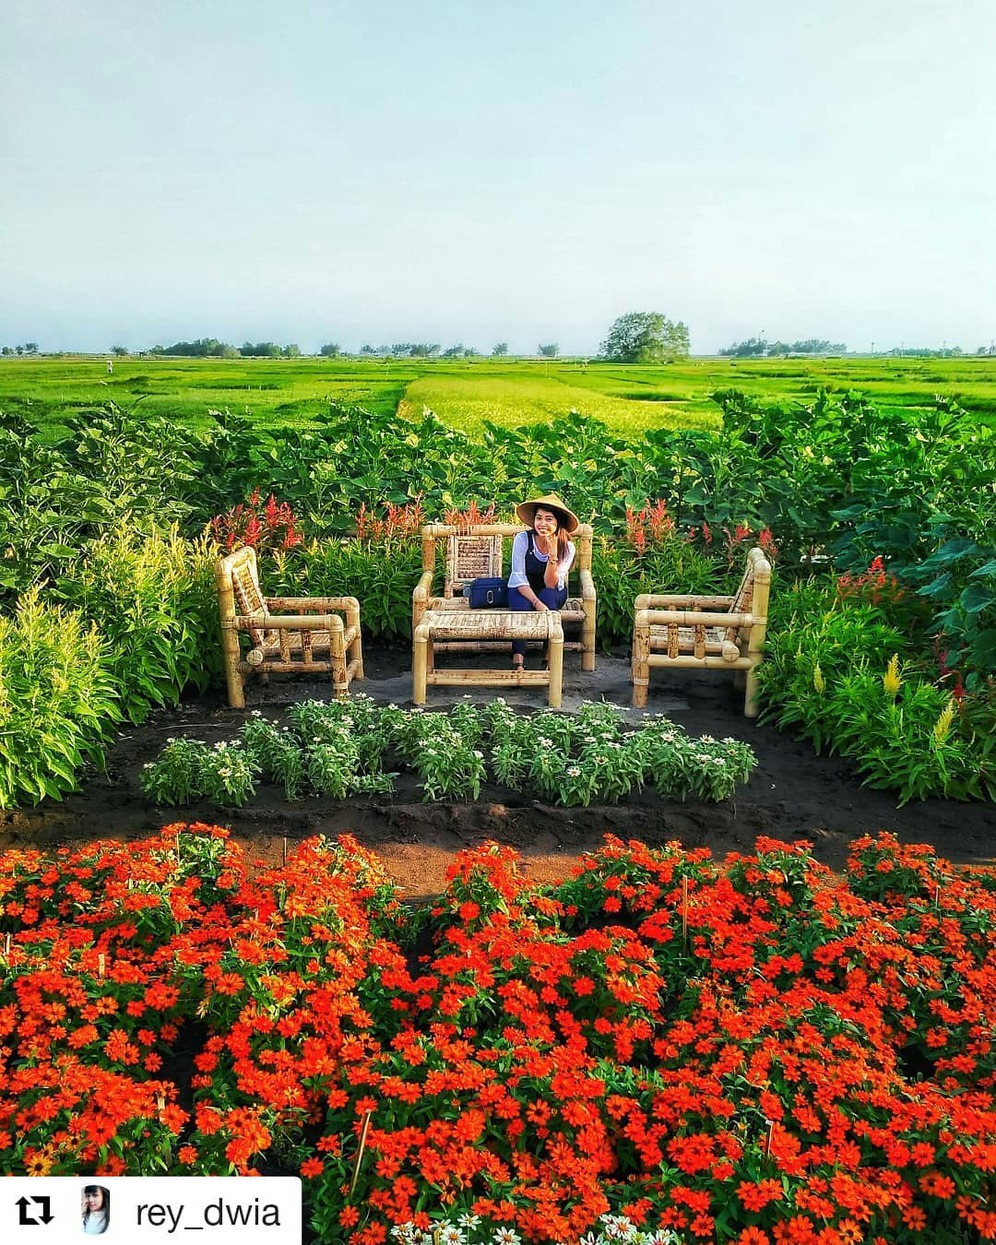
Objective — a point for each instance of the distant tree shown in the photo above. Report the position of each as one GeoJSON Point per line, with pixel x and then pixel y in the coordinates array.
{"type": "Point", "coordinates": [415, 350]}
{"type": "Point", "coordinates": [203, 347]}
{"type": "Point", "coordinates": [367, 350]}
{"type": "Point", "coordinates": [291, 351]}
{"type": "Point", "coordinates": [500, 350]}
{"type": "Point", "coordinates": [330, 350]}
{"type": "Point", "coordinates": [471, 353]}
{"type": "Point", "coordinates": [817, 345]}
{"type": "Point", "coordinates": [549, 351]}
{"type": "Point", "coordinates": [453, 352]}
{"type": "Point", "coordinates": [19, 349]}
{"type": "Point", "coordinates": [6, 350]}
{"type": "Point", "coordinates": [120, 351]}
{"type": "Point", "coordinates": [747, 349]}
{"type": "Point", "coordinates": [30, 347]}
{"type": "Point", "coordinates": [645, 337]}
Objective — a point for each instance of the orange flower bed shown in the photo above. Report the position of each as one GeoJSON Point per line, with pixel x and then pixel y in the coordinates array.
{"type": "Point", "coordinates": [754, 1050]}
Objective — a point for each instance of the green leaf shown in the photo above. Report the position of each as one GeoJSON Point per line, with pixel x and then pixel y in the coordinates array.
{"type": "Point", "coordinates": [975, 599]}
{"type": "Point", "coordinates": [983, 649]}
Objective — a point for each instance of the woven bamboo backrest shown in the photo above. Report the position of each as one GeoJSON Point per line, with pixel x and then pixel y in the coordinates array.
{"type": "Point", "coordinates": [477, 551]}
{"type": "Point", "coordinates": [246, 590]}
{"type": "Point", "coordinates": [468, 557]}
{"type": "Point", "coordinates": [743, 601]}
{"type": "Point", "coordinates": [744, 595]}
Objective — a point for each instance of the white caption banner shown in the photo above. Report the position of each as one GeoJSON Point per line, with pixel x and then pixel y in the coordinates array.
{"type": "Point", "coordinates": [220, 1210]}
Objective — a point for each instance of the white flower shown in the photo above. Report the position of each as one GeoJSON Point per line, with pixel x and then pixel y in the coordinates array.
{"type": "Point", "coordinates": [467, 1220]}
{"type": "Point", "coordinates": [450, 1234]}
{"type": "Point", "coordinates": [505, 1236]}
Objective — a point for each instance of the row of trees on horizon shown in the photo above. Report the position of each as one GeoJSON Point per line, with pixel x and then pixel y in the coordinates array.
{"type": "Point", "coordinates": [637, 337]}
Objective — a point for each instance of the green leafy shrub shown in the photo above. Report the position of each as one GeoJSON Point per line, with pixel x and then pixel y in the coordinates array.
{"type": "Point", "coordinates": [153, 598]}
{"type": "Point", "coordinates": [58, 700]}
{"type": "Point", "coordinates": [339, 749]}
{"type": "Point", "coordinates": [188, 769]}
{"type": "Point", "coordinates": [823, 678]}
{"type": "Point", "coordinates": [959, 580]}
{"type": "Point", "coordinates": [903, 735]}
{"type": "Point", "coordinates": [813, 640]}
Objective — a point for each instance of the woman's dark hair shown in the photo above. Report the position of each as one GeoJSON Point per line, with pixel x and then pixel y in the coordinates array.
{"type": "Point", "coordinates": [98, 1188]}
{"type": "Point", "coordinates": [562, 535]}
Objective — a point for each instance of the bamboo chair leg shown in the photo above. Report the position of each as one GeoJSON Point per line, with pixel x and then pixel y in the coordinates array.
{"type": "Point", "coordinates": [640, 666]}
{"type": "Point", "coordinates": [340, 680]}
{"type": "Point", "coordinates": [752, 706]}
{"type": "Point", "coordinates": [419, 672]}
{"type": "Point", "coordinates": [556, 670]}
{"type": "Point", "coordinates": [230, 649]}
{"type": "Point", "coordinates": [588, 637]}
{"type": "Point", "coordinates": [355, 653]}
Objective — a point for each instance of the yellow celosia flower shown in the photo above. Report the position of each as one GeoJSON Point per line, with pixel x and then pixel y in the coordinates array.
{"type": "Point", "coordinates": [818, 680]}
{"type": "Point", "coordinates": [891, 680]}
{"type": "Point", "coordinates": [943, 724]}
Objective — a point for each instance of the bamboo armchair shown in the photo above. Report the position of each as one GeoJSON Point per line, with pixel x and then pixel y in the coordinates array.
{"type": "Point", "coordinates": [683, 631]}
{"type": "Point", "coordinates": [446, 622]}
{"type": "Point", "coordinates": [311, 638]}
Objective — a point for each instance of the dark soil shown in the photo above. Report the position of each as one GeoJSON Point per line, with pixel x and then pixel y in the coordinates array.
{"type": "Point", "coordinates": [793, 793]}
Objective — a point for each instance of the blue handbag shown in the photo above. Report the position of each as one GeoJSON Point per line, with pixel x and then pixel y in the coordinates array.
{"type": "Point", "coordinates": [487, 593]}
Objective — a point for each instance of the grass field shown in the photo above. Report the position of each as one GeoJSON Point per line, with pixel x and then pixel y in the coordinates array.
{"type": "Point", "coordinates": [630, 399]}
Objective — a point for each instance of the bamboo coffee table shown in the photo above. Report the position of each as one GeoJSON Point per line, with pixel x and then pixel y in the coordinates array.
{"type": "Point", "coordinates": [473, 628]}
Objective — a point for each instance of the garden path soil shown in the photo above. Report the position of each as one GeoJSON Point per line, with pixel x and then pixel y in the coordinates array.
{"type": "Point", "coordinates": [793, 793]}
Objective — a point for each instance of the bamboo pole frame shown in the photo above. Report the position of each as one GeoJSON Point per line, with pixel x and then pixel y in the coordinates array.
{"type": "Point", "coordinates": [578, 610]}
{"type": "Point", "coordinates": [543, 626]}
{"type": "Point", "coordinates": [684, 631]}
{"type": "Point", "coordinates": [309, 636]}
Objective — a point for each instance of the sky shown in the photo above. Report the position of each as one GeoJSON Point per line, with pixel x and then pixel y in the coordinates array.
{"type": "Point", "coordinates": [315, 171]}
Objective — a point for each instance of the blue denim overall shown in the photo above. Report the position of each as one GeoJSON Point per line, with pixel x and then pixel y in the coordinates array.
{"type": "Point", "coordinates": [553, 598]}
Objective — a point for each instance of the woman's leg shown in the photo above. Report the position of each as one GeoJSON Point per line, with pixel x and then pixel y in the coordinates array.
{"type": "Point", "coordinates": [554, 599]}
{"type": "Point", "coordinates": [516, 601]}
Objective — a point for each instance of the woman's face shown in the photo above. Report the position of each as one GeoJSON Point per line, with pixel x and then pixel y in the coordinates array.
{"type": "Point", "coordinates": [545, 521]}
{"type": "Point", "coordinates": [95, 1200]}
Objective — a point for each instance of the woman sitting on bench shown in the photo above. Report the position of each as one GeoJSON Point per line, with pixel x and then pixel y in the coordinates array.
{"type": "Point", "coordinates": [542, 558]}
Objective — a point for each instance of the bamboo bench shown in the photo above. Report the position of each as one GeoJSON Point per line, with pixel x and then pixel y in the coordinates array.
{"type": "Point", "coordinates": [690, 632]}
{"type": "Point", "coordinates": [476, 627]}
{"type": "Point", "coordinates": [313, 639]}
{"type": "Point", "coordinates": [476, 551]}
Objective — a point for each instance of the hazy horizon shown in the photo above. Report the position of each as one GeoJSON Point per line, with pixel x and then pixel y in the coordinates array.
{"type": "Point", "coordinates": [314, 173]}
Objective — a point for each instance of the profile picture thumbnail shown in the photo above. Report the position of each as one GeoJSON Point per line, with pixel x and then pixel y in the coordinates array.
{"type": "Point", "coordinates": [96, 1209]}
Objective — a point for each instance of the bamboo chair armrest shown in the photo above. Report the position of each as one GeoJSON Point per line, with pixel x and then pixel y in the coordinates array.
{"type": "Point", "coordinates": [289, 622]}
{"type": "Point", "coordinates": [305, 605]}
{"type": "Point", "coordinates": [677, 600]}
{"type": "Point", "coordinates": [695, 618]}
{"type": "Point", "coordinates": [587, 585]}
{"type": "Point", "coordinates": [423, 588]}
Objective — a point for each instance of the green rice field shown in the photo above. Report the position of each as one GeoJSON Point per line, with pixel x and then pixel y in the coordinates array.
{"type": "Point", "coordinates": [629, 398]}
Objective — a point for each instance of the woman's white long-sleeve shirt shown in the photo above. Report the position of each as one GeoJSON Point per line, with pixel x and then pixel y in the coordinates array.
{"type": "Point", "coordinates": [517, 578]}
